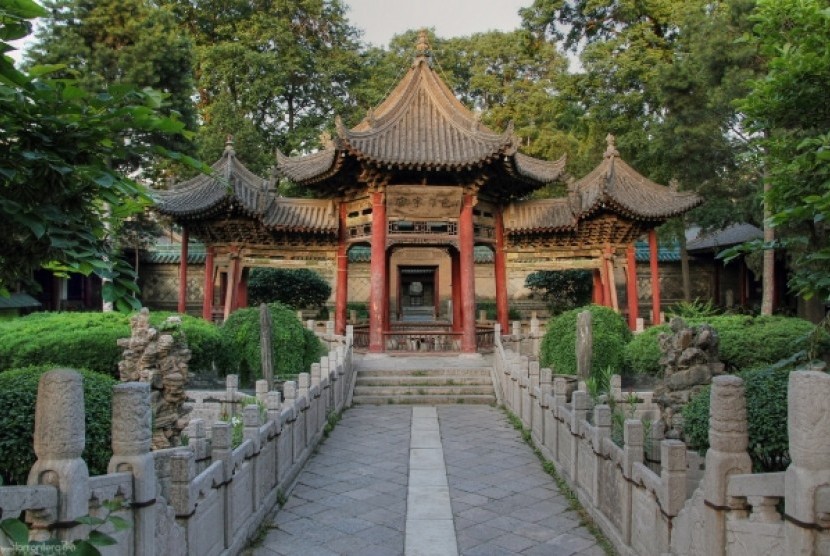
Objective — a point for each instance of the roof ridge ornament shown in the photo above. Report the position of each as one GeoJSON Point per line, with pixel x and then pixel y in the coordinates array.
{"type": "Point", "coordinates": [611, 150]}
{"type": "Point", "coordinates": [674, 184]}
{"type": "Point", "coordinates": [423, 50]}
{"type": "Point", "coordinates": [229, 144]}
{"type": "Point", "coordinates": [325, 140]}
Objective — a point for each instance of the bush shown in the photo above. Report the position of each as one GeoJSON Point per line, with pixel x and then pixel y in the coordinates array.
{"type": "Point", "coordinates": [610, 335]}
{"type": "Point", "coordinates": [298, 288]}
{"type": "Point", "coordinates": [18, 394]}
{"type": "Point", "coordinates": [766, 407]}
{"type": "Point", "coordinates": [562, 289]}
{"type": "Point", "coordinates": [362, 310]}
{"type": "Point", "coordinates": [642, 354]}
{"type": "Point", "coordinates": [89, 340]}
{"type": "Point", "coordinates": [746, 342]}
{"type": "Point", "coordinates": [294, 348]}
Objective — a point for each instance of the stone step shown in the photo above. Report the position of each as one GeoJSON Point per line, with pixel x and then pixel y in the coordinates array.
{"type": "Point", "coordinates": [443, 390]}
{"type": "Point", "coordinates": [434, 380]}
{"type": "Point", "coordinates": [425, 400]}
{"type": "Point", "coordinates": [426, 372]}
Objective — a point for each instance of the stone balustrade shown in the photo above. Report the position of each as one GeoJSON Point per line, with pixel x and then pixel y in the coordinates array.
{"type": "Point", "coordinates": [729, 512]}
{"type": "Point", "coordinates": [206, 498]}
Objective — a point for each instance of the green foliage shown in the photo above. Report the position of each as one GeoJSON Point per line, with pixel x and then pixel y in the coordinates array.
{"type": "Point", "coordinates": [694, 309]}
{"type": "Point", "coordinates": [115, 42]}
{"type": "Point", "coordinates": [59, 193]}
{"type": "Point", "coordinates": [642, 354]}
{"type": "Point", "coordinates": [17, 532]}
{"type": "Point", "coordinates": [294, 349]}
{"type": "Point", "coordinates": [489, 307]}
{"type": "Point", "coordinates": [746, 341]}
{"type": "Point", "coordinates": [89, 340]}
{"type": "Point", "coordinates": [18, 394]}
{"type": "Point", "coordinates": [563, 290]}
{"type": "Point", "coordinates": [599, 383]}
{"type": "Point", "coordinates": [298, 288]}
{"type": "Point", "coordinates": [271, 73]}
{"type": "Point", "coordinates": [361, 308]}
{"type": "Point", "coordinates": [766, 407]}
{"type": "Point", "coordinates": [610, 335]}
{"type": "Point", "coordinates": [787, 108]}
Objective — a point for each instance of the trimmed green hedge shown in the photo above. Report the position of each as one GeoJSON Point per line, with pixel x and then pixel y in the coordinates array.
{"type": "Point", "coordinates": [88, 340]}
{"type": "Point", "coordinates": [766, 407]}
{"type": "Point", "coordinates": [294, 347]}
{"type": "Point", "coordinates": [18, 394]}
{"type": "Point", "coordinates": [746, 342]}
{"type": "Point", "coordinates": [610, 335]}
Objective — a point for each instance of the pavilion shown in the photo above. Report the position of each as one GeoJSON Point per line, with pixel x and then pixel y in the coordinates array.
{"type": "Point", "coordinates": [420, 174]}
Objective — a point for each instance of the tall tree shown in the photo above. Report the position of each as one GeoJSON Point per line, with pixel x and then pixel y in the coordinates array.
{"type": "Point", "coordinates": [58, 188]}
{"type": "Point", "coordinates": [273, 71]}
{"type": "Point", "coordinates": [663, 76]}
{"type": "Point", "coordinates": [103, 43]}
{"type": "Point", "coordinates": [788, 110]}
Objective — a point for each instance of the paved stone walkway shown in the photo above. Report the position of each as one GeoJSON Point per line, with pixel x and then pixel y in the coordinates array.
{"type": "Point", "coordinates": [352, 496]}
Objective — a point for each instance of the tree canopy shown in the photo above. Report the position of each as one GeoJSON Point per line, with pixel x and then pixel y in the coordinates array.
{"type": "Point", "coordinates": [59, 191]}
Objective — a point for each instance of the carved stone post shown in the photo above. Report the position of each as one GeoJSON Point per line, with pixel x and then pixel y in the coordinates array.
{"type": "Point", "coordinates": [59, 442]}
{"type": "Point", "coordinates": [584, 345]}
{"type": "Point", "coordinates": [808, 401]}
{"type": "Point", "coordinates": [602, 430]}
{"type": "Point", "coordinates": [261, 388]}
{"type": "Point", "coordinates": [231, 387]}
{"type": "Point", "coordinates": [131, 438]}
{"type": "Point", "coordinates": [728, 441]}
{"type": "Point", "coordinates": [632, 453]}
{"type": "Point", "coordinates": [672, 476]}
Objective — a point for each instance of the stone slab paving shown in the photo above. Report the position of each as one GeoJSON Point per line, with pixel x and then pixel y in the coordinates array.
{"type": "Point", "coordinates": [503, 502]}
{"type": "Point", "coordinates": [352, 496]}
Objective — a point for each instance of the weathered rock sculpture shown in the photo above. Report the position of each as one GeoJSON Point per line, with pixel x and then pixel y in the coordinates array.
{"type": "Point", "coordinates": [160, 359]}
{"type": "Point", "coordinates": [689, 361]}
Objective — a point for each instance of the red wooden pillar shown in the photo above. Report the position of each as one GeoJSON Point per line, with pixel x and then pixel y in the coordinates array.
{"type": "Point", "coordinates": [466, 241]}
{"type": "Point", "coordinates": [342, 284]}
{"type": "Point", "coordinates": [457, 316]}
{"type": "Point", "coordinates": [598, 296]}
{"type": "Point", "coordinates": [378, 281]}
{"type": "Point", "coordinates": [232, 288]}
{"type": "Point", "coordinates": [207, 302]}
{"type": "Point", "coordinates": [242, 291]}
{"type": "Point", "coordinates": [182, 307]}
{"type": "Point", "coordinates": [631, 287]}
{"type": "Point", "coordinates": [655, 277]}
{"type": "Point", "coordinates": [500, 264]}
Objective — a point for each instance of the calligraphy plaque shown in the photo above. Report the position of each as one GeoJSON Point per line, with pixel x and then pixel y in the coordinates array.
{"type": "Point", "coordinates": [423, 202]}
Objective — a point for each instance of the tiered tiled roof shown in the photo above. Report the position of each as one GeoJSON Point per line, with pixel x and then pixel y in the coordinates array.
{"type": "Point", "coordinates": [422, 126]}
{"type": "Point", "coordinates": [613, 187]}
{"type": "Point", "coordinates": [232, 185]}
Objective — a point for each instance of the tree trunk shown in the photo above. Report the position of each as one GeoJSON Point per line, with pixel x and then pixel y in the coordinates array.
{"type": "Point", "coordinates": [684, 265]}
{"type": "Point", "coordinates": [768, 279]}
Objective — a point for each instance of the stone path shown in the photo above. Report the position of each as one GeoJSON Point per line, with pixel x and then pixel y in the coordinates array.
{"type": "Point", "coordinates": [352, 497]}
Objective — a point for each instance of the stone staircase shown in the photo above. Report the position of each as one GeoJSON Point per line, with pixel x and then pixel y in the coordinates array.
{"type": "Point", "coordinates": [423, 380]}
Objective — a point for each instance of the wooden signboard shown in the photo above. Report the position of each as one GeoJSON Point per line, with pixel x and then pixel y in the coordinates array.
{"type": "Point", "coordinates": [421, 202]}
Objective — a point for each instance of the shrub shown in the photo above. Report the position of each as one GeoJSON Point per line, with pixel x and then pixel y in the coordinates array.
{"type": "Point", "coordinates": [766, 407]}
{"type": "Point", "coordinates": [562, 289]}
{"type": "Point", "coordinates": [610, 335]}
{"type": "Point", "coordinates": [362, 310]}
{"type": "Point", "coordinates": [746, 342]}
{"type": "Point", "coordinates": [297, 288]}
{"type": "Point", "coordinates": [89, 340]}
{"type": "Point", "coordinates": [642, 354]}
{"type": "Point", "coordinates": [18, 394]}
{"type": "Point", "coordinates": [294, 348]}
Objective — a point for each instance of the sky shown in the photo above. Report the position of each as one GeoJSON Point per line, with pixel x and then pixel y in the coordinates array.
{"type": "Point", "coordinates": [381, 19]}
